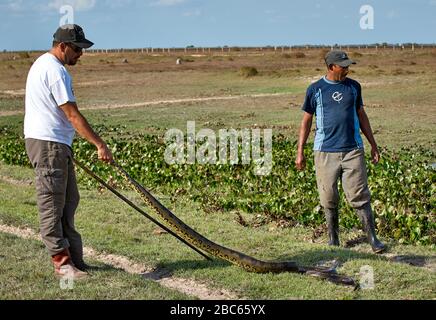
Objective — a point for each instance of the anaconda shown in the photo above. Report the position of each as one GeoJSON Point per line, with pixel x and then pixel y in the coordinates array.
{"type": "Point", "coordinates": [240, 259]}
{"type": "Point", "coordinates": [191, 237]}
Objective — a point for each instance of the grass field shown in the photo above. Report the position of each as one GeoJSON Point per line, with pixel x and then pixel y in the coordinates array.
{"type": "Point", "coordinates": [151, 94]}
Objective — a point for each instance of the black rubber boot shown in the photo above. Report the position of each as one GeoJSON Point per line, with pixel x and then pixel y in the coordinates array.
{"type": "Point", "coordinates": [367, 219]}
{"type": "Point", "coordinates": [82, 266]}
{"type": "Point", "coordinates": [332, 218]}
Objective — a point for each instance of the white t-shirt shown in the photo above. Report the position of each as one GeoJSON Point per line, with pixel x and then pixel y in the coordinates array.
{"type": "Point", "coordinates": [48, 86]}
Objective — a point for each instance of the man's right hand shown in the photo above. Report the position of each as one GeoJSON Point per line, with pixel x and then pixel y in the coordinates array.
{"type": "Point", "coordinates": [104, 154]}
{"type": "Point", "coordinates": [300, 162]}
{"type": "Point", "coordinates": [82, 126]}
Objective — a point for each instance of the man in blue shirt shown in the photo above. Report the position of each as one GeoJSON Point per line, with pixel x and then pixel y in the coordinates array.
{"type": "Point", "coordinates": [336, 101]}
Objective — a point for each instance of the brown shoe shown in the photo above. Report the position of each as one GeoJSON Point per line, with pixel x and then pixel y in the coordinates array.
{"type": "Point", "coordinates": [65, 267]}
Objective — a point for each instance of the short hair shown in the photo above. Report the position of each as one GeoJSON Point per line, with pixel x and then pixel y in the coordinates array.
{"type": "Point", "coordinates": [55, 43]}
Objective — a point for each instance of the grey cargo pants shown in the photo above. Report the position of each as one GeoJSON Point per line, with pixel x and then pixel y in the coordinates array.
{"type": "Point", "coordinates": [57, 196]}
{"type": "Point", "coordinates": [350, 167]}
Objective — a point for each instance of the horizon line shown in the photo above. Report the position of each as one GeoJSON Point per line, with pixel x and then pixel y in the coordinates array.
{"type": "Point", "coordinates": [236, 47]}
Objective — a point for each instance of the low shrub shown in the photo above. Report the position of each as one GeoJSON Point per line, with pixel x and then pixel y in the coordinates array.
{"type": "Point", "coordinates": [247, 72]}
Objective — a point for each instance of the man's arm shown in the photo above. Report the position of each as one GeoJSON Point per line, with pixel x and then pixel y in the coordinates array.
{"type": "Point", "coordinates": [365, 126]}
{"type": "Point", "coordinates": [82, 127]}
{"type": "Point", "coordinates": [306, 125]}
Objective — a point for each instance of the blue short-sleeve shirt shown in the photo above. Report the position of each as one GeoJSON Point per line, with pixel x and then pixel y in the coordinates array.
{"type": "Point", "coordinates": [335, 106]}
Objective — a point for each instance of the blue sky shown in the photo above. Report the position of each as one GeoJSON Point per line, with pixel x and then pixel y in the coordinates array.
{"type": "Point", "coordinates": [30, 24]}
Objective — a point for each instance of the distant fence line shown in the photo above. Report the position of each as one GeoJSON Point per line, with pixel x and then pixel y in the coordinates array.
{"type": "Point", "coordinates": [210, 50]}
{"type": "Point", "coordinates": [227, 49]}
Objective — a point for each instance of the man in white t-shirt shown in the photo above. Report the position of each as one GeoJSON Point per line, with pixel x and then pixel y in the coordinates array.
{"type": "Point", "coordinates": [50, 122]}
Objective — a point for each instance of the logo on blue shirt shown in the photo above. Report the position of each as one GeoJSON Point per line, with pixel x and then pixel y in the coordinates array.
{"type": "Point", "coordinates": [337, 96]}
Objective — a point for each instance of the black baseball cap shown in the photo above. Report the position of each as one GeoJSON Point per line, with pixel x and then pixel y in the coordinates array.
{"type": "Point", "coordinates": [72, 33]}
{"type": "Point", "coordinates": [338, 57]}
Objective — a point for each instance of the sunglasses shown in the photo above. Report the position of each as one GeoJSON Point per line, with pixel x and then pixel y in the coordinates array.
{"type": "Point", "coordinates": [75, 48]}
{"type": "Point", "coordinates": [341, 66]}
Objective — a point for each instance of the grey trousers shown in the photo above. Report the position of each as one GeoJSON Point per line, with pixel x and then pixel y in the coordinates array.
{"type": "Point", "coordinates": [57, 196]}
{"type": "Point", "coordinates": [350, 167]}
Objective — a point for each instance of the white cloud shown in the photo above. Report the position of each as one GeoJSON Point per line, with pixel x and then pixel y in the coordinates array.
{"type": "Point", "coordinates": [79, 5]}
{"type": "Point", "coordinates": [192, 13]}
{"type": "Point", "coordinates": [117, 3]}
{"type": "Point", "coordinates": [393, 14]}
{"type": "Point", "coordinates": [166, 3]}
{"type": "Point", "coordinates": [13, 5]}
{"type": "Point", "coordinates": [47, 5]}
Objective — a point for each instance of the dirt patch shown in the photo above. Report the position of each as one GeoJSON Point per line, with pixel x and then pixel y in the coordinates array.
{"type": "Point", "coordinates": [10, 113]}
{"type": "Point", "coordinates": [16, 182]}
{"type": "Point", "coordinates": [22, 92]}
{"type": "Point", "coordinates": [188, 286]}
{"type": "Point", "coordinates": [116, 261]}
{"type": "Point", "coordinates": [176, 101]}
{"type": "Point", "coordinates": [195, 288]}
{"type": "Point", "coordinates": [14, 93]}
{"type": "Point", "coordinates": [26, 233]}
{"type": "Point", "coordinates": [413, 260]}
{"type": "Point", "coordinates": [161, 276]}
{"type": "Point", "coordinates": [157, 102]}
{"type": "Point", "coordinates": [96, 83]}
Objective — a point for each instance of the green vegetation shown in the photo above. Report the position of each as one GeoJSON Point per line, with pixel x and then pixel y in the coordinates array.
{"type": "Point", "coordinates": [402, 184]}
